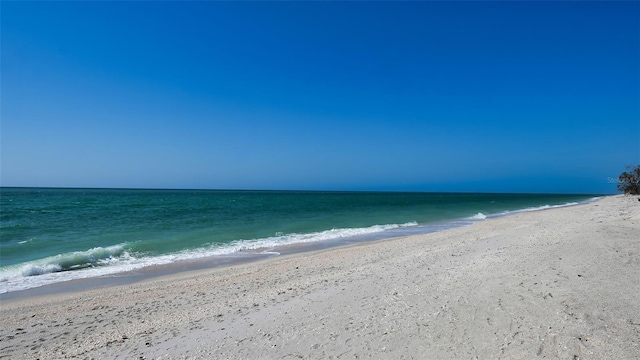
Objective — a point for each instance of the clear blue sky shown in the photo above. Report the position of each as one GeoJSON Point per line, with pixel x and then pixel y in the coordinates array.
{"type": "Point", "coordinates": [430, 96]}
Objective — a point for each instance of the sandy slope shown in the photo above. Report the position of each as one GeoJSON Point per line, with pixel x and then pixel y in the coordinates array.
{"type": "Point", "coordinates": [561, 283]}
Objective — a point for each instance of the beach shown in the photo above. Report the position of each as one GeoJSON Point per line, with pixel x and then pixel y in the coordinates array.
{"type": "Point", "coordinates": [557, 283]}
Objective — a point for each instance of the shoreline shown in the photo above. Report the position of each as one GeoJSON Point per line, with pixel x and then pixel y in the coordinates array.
{"type": "Point", "coordinates": [209, 262]}
{"type": "Point", "coordinates": [555, 283]}
{"type": "Point", "coordinates": [185, 267]}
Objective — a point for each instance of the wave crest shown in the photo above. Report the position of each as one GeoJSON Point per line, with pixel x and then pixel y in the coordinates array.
{"type": "Point", "coordinates": [478, 216]}
{"type": "Point", "coordinates": [33, 269]}
{"type": "Point", "coordinates": [65, 262]}
{"type": "Point", "coordinates": [116, 259]}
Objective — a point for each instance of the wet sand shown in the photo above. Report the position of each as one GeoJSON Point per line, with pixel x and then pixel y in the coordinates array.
{"type": "Point", "coordinates": [558, 283]}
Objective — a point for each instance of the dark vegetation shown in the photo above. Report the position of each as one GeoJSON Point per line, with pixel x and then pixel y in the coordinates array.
{"type": "Point", "coordinates": [629, 181]}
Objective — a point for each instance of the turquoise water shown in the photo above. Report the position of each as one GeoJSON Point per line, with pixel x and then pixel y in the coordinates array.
{"type": "Point", "coordinates": [51, 235]}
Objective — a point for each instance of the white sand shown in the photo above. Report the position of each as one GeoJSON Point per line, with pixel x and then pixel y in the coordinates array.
{"type": "Point", "coordinates": [561, 283]}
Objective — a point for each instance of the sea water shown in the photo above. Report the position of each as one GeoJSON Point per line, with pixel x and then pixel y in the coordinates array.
{"type": "Point", "coordinates": [54, 235]}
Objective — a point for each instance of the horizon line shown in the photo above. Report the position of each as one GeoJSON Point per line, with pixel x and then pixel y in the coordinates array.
{"type": "Point", "coordinates": [296, 190]}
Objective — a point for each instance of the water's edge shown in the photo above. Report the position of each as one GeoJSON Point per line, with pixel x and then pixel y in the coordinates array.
{"type": "Point", "coordinates": [180, 266]}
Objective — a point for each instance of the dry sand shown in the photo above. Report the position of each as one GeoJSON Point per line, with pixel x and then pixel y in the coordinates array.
{"type": "Point", "coordinates": [560, 283]}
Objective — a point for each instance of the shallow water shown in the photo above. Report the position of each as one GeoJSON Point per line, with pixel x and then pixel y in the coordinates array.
{"type": "Point", "coordinates": [53, 235]}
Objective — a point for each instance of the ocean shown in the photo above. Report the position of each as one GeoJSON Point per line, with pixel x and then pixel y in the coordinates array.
{"type": "Point", "coordinates": [54, 235]}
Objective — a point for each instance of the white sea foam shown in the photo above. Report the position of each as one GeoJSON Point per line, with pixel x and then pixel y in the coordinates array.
{"type": "Point", "coordinates": [33, 269]}
{"type": "Point", "coordinates": [478, 216]}
{"type": "Point", "coordinates": [115, 259]}
{"type": "Point", "coordinates": [544, 207]}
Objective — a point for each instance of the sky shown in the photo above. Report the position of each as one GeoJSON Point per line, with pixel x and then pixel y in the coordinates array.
{"type": "Point", "coordinates": [400, 96]}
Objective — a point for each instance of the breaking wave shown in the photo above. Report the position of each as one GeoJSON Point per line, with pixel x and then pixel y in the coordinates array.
{"type": "Point", "coordinates": [117, 259]}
